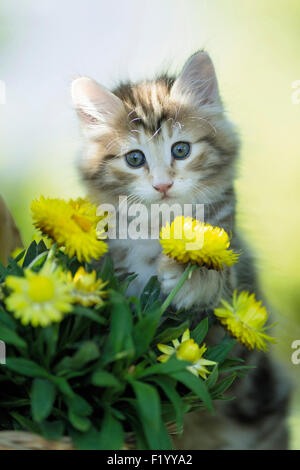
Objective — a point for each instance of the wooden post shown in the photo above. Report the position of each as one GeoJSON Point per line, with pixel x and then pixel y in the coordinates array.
{"type": "Point", "coordinates": [10, 237]}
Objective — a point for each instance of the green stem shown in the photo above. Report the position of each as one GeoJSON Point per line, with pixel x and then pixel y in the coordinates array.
{"type": "Point", "coordinates": [52, 252]}
{"type": "Point", "coordinates": [190, 268]}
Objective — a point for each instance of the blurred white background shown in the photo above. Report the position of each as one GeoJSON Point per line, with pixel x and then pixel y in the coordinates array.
{"type": "Point", "coordinates": [47, 43]}
{"type": "Point", "coordinates": [255, 48]}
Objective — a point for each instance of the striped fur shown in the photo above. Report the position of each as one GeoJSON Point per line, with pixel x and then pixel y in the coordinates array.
{"type": "Point", "coordinates": [151, 116]}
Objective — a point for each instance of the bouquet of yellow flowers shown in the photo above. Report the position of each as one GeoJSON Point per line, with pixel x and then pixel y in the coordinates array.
{"type": "Point", "coordinates": [84, 360]}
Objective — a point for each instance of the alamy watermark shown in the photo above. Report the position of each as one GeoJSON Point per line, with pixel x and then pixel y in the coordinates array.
{"type": "Point", "coordinates": [2, 352]}
{"type": "Point", "coordinates": [141, 221]}
{"type": "Point", "coordinates": [295, 358]}
{"type": "Point", "coordinates": [295, 96]}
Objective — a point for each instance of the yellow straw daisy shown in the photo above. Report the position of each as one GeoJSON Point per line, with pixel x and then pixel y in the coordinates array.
{"type": "Point", "coordinates": [245, 319]}
{"type": "Point", "coordinates": [187, 350]}
{"type": "Point", "coordinates": [189, 241]}
{"type": "Point", "coordinates": [39, 298]}
{"type": "Point", "coordinates": [86, 289]}
{"type": "Point", "coordinates": [71, 224]}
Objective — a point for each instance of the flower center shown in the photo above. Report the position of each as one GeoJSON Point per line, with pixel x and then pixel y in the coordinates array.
{"type": "Point", "coordinates": [83, 222]}
{"type": "Point", "coordinates": [188, 351]}
{"type": "Point", "coordinates": [41, 289]}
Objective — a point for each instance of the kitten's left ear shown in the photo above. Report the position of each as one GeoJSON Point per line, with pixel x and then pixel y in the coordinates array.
{"type": "Point", "coordinates": [95, 104]}
{"type": "Point", "coordinates": [197, 82]}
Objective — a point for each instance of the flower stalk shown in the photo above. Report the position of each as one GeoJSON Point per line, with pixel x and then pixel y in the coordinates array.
{"type": "Point", "coordinates": [186, 275]}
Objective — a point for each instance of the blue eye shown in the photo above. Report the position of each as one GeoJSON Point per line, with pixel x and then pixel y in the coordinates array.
{"type": "Point", "coordinates": [135, 159]}
{"type": "Point", "coordinates": [181, 150]}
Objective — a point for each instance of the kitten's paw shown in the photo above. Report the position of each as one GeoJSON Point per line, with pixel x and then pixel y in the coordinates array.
{"type": "Point", "coordinates": [203, 289]}
{"type": "Point", "coordinates": [169, 273]}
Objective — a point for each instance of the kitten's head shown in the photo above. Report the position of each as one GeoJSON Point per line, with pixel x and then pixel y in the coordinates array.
{"type": "Point", "coordinates": [163, 140]}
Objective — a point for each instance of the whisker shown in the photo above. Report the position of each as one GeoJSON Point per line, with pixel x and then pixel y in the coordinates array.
{"type": "Point", "coordinates": [135, 119]}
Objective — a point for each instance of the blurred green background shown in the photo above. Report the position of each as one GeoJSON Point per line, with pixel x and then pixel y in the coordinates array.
{"type": "Point", "coordinates": [255, 48]}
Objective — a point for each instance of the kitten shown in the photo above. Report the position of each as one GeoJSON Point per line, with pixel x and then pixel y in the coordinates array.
{"type": "Point", "coordinates": [169, 141]}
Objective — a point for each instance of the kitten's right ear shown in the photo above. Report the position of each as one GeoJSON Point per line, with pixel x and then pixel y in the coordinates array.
{"type": "Point", "coordinates": [197, 83]}
{"type": "Point", "coordinates": [94, 103]}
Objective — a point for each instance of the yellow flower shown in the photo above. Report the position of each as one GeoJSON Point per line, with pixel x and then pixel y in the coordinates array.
{"type": "Point", "coordinates": [71, 224]}
{"type": "Point", "coordinates": [189, 241]}
{"type": "Point", "coordinates": [87, 290]}
{"type": "Point", "coordinates": [245, 319]}
{"type": "Point", "coordinates": [39, 298]}
{"type": "Point", "coordinates": [187, 350]}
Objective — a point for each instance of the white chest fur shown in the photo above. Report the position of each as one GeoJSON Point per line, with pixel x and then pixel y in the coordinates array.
{"type": "Point", "coordinates": [136, 256]}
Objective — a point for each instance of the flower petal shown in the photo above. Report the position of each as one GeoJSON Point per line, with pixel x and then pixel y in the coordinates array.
{"type": "Point", "coordinates": [166, 349]}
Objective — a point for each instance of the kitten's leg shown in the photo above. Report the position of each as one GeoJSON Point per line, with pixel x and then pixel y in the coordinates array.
{"type": "Point", "coordinates": [255, 419]}
{"type": "Point", "coordinates": [204, 289]}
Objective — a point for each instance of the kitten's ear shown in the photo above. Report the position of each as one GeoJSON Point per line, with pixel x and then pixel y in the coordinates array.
{"type": "Point", "coordinates": [94, 103]}
{"type": "Point", "coordinates": [197, 82]}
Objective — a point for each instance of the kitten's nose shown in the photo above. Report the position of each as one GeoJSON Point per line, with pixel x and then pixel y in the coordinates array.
{"type": "Point", "coordinates": [163, 188]}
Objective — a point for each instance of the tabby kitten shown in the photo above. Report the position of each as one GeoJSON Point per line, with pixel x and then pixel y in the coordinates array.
{"type": "Point", "coordinates": [169, 141]}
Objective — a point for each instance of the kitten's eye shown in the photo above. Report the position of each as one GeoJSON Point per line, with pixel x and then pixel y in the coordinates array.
{"type": "Point", "coordinates": [181, 150]}
{"type": "Point", "coordinates": [136, 158]}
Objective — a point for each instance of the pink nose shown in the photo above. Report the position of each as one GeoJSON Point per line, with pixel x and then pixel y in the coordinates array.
{"type": "Point", "coordinates": [163, 188]}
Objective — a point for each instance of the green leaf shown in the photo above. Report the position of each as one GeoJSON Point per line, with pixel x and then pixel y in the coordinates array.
{"type": "Point", "coordinates": [150, 293]}
{"type": "Point", "coordinates": [89, 440]}
{"type": "Point", "coordinates": [220, 352]}
{"type": "Point", "coordinates": [143, 332]}
{"type": "Point", "coordinates": [107, 271]}
{"type": "Point", "coordinates": [52, 429]}
{"type": "Point", "coordinates": [171, 333]}
{"type": "Point", "coordinates": [50, 335]}
{"type": "Point", "coordinates": [233, 361]}
{"type": "Point", "coordinates": [7, 319]}
{"type": "Point", "coordinates": [25, 423]}
{"type": "Point", "coordinates": [13, 268]}
{"type": "Point", "coordinates": [136, 425]}
{"type": "Point", "coordinates": [19, 256]}
{"type": "Point", "coordinates": [223, 385]}
{"type": "Point", "coordinates": [118, 414]}
{"type": "Point", "coordinates": [168, 386]}
{"type": "Point", "coordinates": [63, 386]}
{"type": "Point", "coordinates": [120, 336]}
{"type": "Point", "coordinates": [10, 337]}
{"type": "Point", "coordinates": [41, 248]}
{"type": "Point", "coordinates": [30, 254]}
{"type": "Point", "coordinates": [102, 378]}
{"type": "Point", "coordinates": [125, 284]}
{"type": "Point", "coordinates": [196, 385]}
{"type": "Point", "coordinates": [87, 352]}
{"type": "Point", "coordinates": [14, 402]}
{"type": "Point", "coordinates": [88, 313]}
{"type": "Point", "coordinates": [149, 410]}
{"type": "Point", "coordinates": [3, 271]}
{"type": "Point", "coordinates": [155, 306]}
{"type": "Point", "coordinates": [78, 405]}
{"type": "Point", "coordinates": [42, 399]}
{"type": "Point", "coordinates": [169, 367]}
{"type": "Point", "coordinates": [235, 368]}
{"type": "Point", "coordinates": [64, 366]}
{"type": "Point", "coordinates": [199, 333]}
{"type": "Point", "coordinates": [81, 423]}
{"type": "Point", "coordinates": [112, 433]}
{"type": "Point", "coordinates": [213, 377]}
{"type": "Point", "coordinates": [26, 367]}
